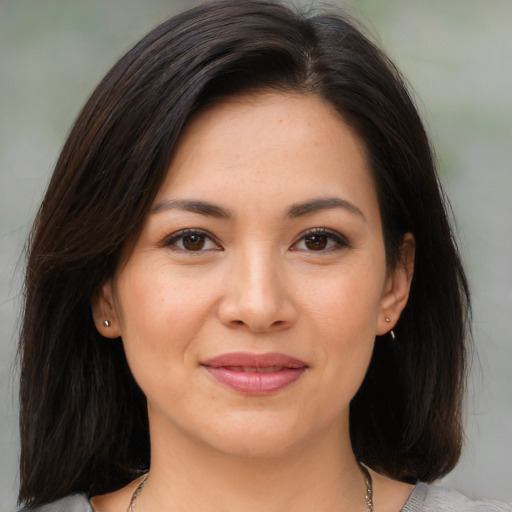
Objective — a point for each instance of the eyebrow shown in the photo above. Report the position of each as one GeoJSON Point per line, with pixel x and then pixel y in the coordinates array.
{"type": "Point", "coordinates": [324, 203]}
{"type": "Point", "coordinates": [201, 207]}
{"type": "Point", "coordinates": [296, 210]}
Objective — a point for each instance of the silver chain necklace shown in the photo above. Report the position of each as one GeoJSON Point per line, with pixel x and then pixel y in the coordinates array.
{"type": "Point", "coordinates": [369, 488]}
{"type": "Point", "coordinates": [131, 506]}
{"type": "Point", "coordinates": [367, 481]}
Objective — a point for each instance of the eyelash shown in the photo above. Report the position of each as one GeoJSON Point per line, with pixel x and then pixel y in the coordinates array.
{"type": "Point", "coordinates": [171, 242]}
{"type": "Point", "coordinates": [337, 238]}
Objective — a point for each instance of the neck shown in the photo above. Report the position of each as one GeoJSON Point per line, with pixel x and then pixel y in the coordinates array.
{"type": "Point", "coordinates": [322, 475]}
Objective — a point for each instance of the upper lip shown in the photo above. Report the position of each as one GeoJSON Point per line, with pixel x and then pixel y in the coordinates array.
{"type": "Point", "coordinates": [247, 359]}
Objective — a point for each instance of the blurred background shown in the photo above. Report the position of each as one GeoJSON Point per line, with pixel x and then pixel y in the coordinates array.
{"type": "Point", "coordinates": [457, 55]}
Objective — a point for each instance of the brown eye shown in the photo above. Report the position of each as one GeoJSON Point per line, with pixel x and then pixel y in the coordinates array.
{"type": "Point", "coordinates": [320, 240]}
{"type": "Point", "coordinates": [316, 242]}
{"type": "Point", "coordinates": [193, 242]}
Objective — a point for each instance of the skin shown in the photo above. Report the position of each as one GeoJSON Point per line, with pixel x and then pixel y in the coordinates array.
{"type": "Point", "coordinates": [253, 280]}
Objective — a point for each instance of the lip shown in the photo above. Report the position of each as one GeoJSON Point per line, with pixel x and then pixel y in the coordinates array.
{"type": "Point", "coordinates": [255, 374]}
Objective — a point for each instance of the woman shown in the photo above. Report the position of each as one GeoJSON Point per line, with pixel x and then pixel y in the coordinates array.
{"type": "Point", "coordinates": [242, 287]}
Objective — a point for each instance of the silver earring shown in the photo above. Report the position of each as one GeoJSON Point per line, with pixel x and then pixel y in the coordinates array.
{"type": "Point", "coordinates": [106, 323]}
{"type": "Point", "coordinates": [388, 319]}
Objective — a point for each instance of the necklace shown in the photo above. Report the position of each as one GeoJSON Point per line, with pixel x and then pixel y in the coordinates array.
{"type": "Point", "coordinates": [369, 488]}
{"type": "Point", "coordinates": [367, 481]}
{"type": "Point", "coordinates": [131, 506]}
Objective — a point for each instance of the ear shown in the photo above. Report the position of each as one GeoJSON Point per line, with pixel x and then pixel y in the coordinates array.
{"type": "Point", "coordinates": [397, 287]}
{"type": "Point", "coordinates": [104, 312]}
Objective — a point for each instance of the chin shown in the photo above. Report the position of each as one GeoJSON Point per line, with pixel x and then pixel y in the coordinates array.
{"type": "Point", "coordinates": [254, 437]}
{"type": "Point", "coordinates": [255, 446]}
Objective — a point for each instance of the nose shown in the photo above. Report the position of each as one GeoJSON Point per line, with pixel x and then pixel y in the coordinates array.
{"type": "Point", "coordinates": [257, 295]}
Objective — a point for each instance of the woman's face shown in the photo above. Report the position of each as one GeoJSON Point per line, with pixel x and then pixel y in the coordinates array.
{"type": "Point", "coordinates": [249, 305]}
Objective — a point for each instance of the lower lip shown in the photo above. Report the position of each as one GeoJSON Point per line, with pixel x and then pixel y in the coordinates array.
{"type": "Point", "coordinates": [254, 383]}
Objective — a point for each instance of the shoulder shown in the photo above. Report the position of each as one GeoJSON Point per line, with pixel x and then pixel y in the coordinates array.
{"type": "Point", "coordinates": [73, 503]}
{"type": "Point", "coordinates": [436, 498]}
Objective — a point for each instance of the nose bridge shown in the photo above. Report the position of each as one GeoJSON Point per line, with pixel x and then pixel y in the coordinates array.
{"type": "Point", "coordinates": [256, 295]}
{"type": "Point", "coordinates": [257, 270]}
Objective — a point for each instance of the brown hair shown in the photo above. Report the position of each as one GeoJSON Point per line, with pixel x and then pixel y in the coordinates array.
{"type": "Point", "coordinates": [83, 418]}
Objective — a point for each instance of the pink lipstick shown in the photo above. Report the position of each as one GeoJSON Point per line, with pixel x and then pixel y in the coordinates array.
{"type": "Point", "coordinates": [255, 374]}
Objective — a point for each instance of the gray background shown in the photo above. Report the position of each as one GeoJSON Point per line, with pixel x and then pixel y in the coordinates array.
{"type": "Point", "coordinates": [457, 55]}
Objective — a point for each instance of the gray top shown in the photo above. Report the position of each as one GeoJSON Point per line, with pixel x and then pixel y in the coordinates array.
{"type": "Point", "coordinates": [436, 498]}
{"type": "Point", "coordinates": [424, 498]}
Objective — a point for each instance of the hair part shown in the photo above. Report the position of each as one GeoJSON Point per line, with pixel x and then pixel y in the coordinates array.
{"type": "Point", "coordinates": [84, 425]}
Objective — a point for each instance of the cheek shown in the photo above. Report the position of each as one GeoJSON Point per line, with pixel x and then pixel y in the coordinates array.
{"type": "Point", "coordinates": [346, 300]}
{"type": "Point", "coordinates": [343, 315]}
{"type": "Point", "coordinates": [159, 313]}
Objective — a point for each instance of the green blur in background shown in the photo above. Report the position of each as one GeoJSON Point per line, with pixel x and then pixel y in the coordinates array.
{"type": "Point", "coordinates": [457, 55]}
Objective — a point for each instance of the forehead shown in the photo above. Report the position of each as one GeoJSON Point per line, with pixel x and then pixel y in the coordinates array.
{"type": "Point", "coordinates": [270, 146]}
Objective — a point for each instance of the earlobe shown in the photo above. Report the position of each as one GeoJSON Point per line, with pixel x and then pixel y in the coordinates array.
{"type": "Point", "coordinates": [397, 288]}
{"type": "Point", "coordinates": [104, 312]}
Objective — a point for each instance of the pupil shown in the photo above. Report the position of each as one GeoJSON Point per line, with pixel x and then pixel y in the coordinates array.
{"type": "Point", "coordinates": [193, 242]}
{"type": "Point", "coordinates": [316, 242]}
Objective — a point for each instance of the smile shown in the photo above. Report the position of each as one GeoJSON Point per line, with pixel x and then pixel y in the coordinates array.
{"type": "Point", "coordinates": [255, 374]}
{"type": "Point", "coordinates": [255, 369]}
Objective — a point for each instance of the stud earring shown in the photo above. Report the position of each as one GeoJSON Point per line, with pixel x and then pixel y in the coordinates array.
{"type": "Point", "coordinates": [393, 337]}
{"type": "Point", "coordinates": [106, 323]}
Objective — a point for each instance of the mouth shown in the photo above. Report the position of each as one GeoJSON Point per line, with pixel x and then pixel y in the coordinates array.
{"type": "Point", "coordinates": [255, 374]}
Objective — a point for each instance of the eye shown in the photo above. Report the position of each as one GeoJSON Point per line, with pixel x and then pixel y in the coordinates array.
{"type": "Point", "coordinates": [191, 240]}
{"type": "Point", "coordinates": [320, 239]}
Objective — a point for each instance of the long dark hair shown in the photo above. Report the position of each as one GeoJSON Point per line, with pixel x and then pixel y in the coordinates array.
{"type": "Point", "coordinates": [84, 424]}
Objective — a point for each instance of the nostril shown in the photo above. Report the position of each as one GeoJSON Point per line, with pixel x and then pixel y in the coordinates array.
{"type": "Point", "coordinates": [277, 323]}
{"type": "Point", "coordinates": [256, 312]}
